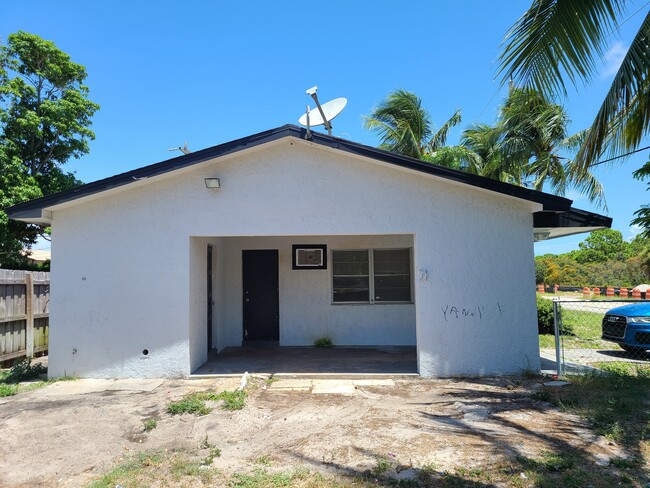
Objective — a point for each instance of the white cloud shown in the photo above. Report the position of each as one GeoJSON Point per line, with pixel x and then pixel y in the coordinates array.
{"type": "Point", "coordinates": [574, 195]}
{"type": "Point", "coordinates": [634, 230]}
{"type": "Point", "coordinates": [614, 58]}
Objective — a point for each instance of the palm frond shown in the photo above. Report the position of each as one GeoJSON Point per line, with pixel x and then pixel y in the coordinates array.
{"type": "Point", "coordinates": [456, 157]}
{"type": "Point", "coordinates": [555, 38]}
{"type": "Point", "coordinates": [439, 139]}
{"type": "Point", "coordinates": [401, 122]}
{"type": "Point", "coordinates": [624, 116]}
{"type": "Point", "coordinates": [574, 141]}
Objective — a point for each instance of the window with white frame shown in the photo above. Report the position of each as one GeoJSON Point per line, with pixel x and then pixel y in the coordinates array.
{"type": "Point", "coordinates": [371, 276]}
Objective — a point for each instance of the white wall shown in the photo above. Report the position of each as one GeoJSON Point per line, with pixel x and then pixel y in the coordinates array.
{"type": "Point", "coordinates": [306, 309]}
{"type": "Point", "coordinates": [134, 248]}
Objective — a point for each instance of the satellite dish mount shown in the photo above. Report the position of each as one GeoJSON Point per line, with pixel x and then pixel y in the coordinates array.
{"type": "Point", "coordinates": [326, 112]}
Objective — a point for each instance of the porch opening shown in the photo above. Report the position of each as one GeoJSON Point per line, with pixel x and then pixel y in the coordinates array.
{"type": "Point", "coordinates": [355, 291]}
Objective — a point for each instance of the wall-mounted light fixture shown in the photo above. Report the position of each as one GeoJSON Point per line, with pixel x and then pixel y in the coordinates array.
{"type": "Point", "coordinates": [212, 183]}
{"type": "Point", "coordinates": [541, 236]}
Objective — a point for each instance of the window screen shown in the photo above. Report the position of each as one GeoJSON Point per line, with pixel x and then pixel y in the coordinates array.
{"type": "Point", "coordinates": [392, 275]}
{"type": "Point", "coordinates": [351, 276]}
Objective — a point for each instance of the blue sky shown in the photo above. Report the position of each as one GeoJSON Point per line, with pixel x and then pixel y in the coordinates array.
{"type": "Point", "coordinates": [170, 72]}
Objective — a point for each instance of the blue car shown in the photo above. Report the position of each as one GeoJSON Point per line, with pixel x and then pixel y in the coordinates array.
{"type": "Point", "coordinates": [629, 326]}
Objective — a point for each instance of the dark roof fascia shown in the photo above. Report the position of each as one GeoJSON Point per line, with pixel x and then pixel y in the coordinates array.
{"type": "Point", "coordinates": [572, 218]}
{"type": "Point", "coordinates": [27, 209]}
{"type": "Point", "coordinates": [550, 202]}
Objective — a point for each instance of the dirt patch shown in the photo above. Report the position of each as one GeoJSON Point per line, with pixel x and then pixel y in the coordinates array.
{"type": "Point", "coordinates": [55, 439]}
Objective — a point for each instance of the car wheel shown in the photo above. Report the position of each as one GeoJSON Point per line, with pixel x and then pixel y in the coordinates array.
{"type": "Point", "coordinates": [634, 349]}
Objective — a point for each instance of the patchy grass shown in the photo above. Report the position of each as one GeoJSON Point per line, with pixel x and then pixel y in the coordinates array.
{"type": "Point", "coordinates": [19, 378]}
{"type": "Point", "coordinates": [580, 296]}
{"type": "Point", "coordinates": [615, 404]}
{"type": "Point", "coordinates": [382, 466]}
{"type": "Point", "coordinates": [191, 403]}
{"type": "Point", "coordinates": [565, 468]}
{"type": "Point", "coordinates": [213, 451]}
{"type": "Point", "coordinates": [194, 403]}
{"type": "Point", "coordinates": [547, 341]}
{"type": "Point", "coordinates": [624, 368]}
{"type": "Point", "coordinates": [131, 470]}
{"type": "Point", "coordinates": [232, 400]}
{"type": "Point", "coordinates": [149, 425]}
{"type": "Point", "coordinates": [263, 461]}
{"type": "Point", "coordinates": [8, 390]}
{"type": "Point", "coordinates": [581, 330]}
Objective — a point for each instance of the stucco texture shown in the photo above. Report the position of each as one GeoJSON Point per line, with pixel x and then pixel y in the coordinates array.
{"type": "Point", "coordinates": [128, 265]}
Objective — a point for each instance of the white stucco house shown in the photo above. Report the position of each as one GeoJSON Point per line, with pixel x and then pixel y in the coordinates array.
{"type": "Point", "coordinates": [297, 239]}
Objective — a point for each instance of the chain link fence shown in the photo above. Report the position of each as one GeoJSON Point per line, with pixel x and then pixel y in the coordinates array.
{"type": "Point", "coordinates": [595, 336]}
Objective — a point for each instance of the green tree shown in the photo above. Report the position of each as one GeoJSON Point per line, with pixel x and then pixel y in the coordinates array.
{"type": "Point", "coordinates": [558, 40]}
{"type": "Point", "coordinates": [601, 246]}
{"type": "Point", "coordinates": [405, 127]}
{"type": "Point", "coordinates": [45, 118]}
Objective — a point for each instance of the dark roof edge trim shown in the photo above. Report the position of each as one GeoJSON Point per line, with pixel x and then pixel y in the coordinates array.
{"type": "Point", "coordinates": [26, 209]}
{"type": "Point", "coordinates": [574, 217]}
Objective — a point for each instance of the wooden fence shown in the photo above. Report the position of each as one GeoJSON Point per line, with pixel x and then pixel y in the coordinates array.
{"type": "Point", "coordinates": [24, 313]}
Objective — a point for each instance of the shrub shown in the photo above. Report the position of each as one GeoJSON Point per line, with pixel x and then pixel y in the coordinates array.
{"type": "Point", "coordinates": [545, 323]}
{"type": "Point", "coordinates": [24, 370]}
{"type": "Point", "coordinates": [323, 342]}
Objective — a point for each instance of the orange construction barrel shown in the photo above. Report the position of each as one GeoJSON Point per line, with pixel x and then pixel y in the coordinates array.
{"type": "Point", "coordinates": [610, 291]}
{"type": "Point", "coordinates": [636, 293]}
{"type": "Point", "coordinates": [622, 293]}
{"type": "Point", "coordinates": [596, 291]}
{"type": "Point", "coordinates": [586, 291]}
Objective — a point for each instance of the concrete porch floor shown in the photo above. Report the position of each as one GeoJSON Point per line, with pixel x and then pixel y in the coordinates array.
{"type": "Point", "coordinates": [273, 359]}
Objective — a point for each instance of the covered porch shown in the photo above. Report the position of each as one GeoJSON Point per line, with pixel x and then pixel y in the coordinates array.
{"type": "Point", "coordinates": [266, 309]}
{"type": "Point", "coordinates": [275, 360]}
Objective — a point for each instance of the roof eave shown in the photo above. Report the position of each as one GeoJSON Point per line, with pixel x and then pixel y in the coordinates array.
{"type": "Point", "coordinates": [30, 209]}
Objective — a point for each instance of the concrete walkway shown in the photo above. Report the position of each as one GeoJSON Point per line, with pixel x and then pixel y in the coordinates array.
{"type": "Point", "coordinates": [273, 359]}
{"type": "Point", "coordinates": [326, 387]}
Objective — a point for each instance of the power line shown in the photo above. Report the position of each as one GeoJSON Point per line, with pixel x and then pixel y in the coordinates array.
{"type": "Point", "coordinates": [622, 23]}
{"type": "Point", "coordinates": [488, 104]}
{"type": "Point", "coordinates": [621, 156]}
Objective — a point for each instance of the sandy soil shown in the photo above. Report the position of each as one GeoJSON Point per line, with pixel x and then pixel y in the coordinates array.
{"type": "Point", "coordinates": [69, 433]}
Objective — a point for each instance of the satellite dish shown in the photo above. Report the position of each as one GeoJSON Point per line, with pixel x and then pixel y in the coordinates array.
{"type": "Point", "coordinates": [331, 109]}
{"type": "Point", "coordinates": [326, 112]}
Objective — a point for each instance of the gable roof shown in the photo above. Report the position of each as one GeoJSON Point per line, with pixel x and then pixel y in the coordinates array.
{"type": "Point", "coordinates": [33, 210]}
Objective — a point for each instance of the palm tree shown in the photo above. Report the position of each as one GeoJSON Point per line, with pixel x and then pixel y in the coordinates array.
{"type": "Point", "coordinates": [486, 141]}
{"type": "Point", "coordinates": [561, 39]}
{"type": "Point", "coordinates": [535, 131]}
{"type": "Point", "coordinates": [405, 127]}
{"type": "Point", "coordinates": [524, 147]}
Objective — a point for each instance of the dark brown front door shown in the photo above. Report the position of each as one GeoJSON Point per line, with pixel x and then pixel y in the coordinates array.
{"type": "Point", "coordinates": [261, 297]}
